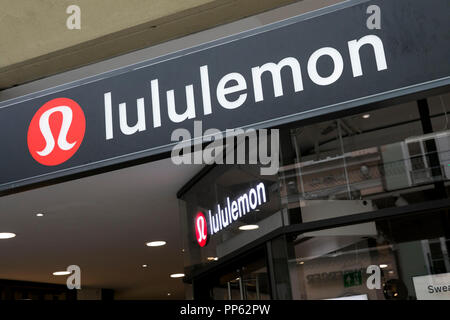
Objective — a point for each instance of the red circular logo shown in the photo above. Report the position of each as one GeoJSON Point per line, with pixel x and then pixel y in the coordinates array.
{"type": "Point", "coordinates": [56, 131]}
{"type": "Point", "coordinates": [201, 229]}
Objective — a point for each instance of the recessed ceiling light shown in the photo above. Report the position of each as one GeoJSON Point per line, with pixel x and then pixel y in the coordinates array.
{"type": "Point", "coordinates": [168, 294]}
{"type": "Point", "coordinates": [7, 235]}
{"type": "Point", "coordinates": [155, 243]}
{"type": "Point", "coordinates": [301, 262]}
{"type": "Point", "coordinates": [39, 215]}
{"type": "Point", "coordinates": [383, 266]}
{"type": "Point", "coordinates": [61, 273]}
{"type": "Point", "coordinates": [366, 116]}
{"type": "Point", "coordinates": [177, 275]}
{"type": "Point", "coordinates": [249, 227]}
{"type": "Point", "coordinates": [144, 266]}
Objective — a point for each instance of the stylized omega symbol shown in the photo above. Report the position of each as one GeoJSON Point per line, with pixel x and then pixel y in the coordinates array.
{"type": "Point", "coordinates": [56, 131]}
{"type": "Point", "coordinates": [44, 125]}
{"type": "Point", "coordinates": [201, 229]}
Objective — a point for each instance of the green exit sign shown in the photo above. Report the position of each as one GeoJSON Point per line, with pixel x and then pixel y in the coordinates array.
{"type": "Point", "coordinates": [352, 278]}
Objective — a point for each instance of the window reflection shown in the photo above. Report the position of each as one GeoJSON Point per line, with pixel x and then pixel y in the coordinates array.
{"type": "Point", "coordinates": [385, 159]}
{"type": "Point", "coordinates": [333, 263]}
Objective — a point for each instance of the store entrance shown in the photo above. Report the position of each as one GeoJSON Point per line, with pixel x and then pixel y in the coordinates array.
{"type": "Point", "coordinates": [250, 282]}
{"type": "Point", "coordinates": [246, 278]}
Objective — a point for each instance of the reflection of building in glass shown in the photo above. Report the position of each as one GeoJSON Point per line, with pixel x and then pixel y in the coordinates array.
{"type": "Point", "coordinates": [373, 170]}
{"type": "Point", "coordinates": [349, 197]}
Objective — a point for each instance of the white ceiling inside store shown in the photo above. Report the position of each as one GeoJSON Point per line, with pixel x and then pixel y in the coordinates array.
{"type": "Point", "coordinates": [102, 224]}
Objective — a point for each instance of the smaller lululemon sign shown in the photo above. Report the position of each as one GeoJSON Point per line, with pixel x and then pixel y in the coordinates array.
{"type": "Point", "coordinates": [56, 131]}
{"type": "Point", "coordinates": [201, 229]}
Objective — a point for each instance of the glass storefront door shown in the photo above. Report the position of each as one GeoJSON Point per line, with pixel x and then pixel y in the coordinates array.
{"type": "Point", "coordinates": [246, 278]}
{"type": "Point", "coordinates": [252, 283]}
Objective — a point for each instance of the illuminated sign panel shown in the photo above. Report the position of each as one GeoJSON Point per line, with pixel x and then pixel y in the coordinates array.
{"type": "Point", "coordinates": [229, 213]}
{"type": "Point", "coordinates": [235, 209]}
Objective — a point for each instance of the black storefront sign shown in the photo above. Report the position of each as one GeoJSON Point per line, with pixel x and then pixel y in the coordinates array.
{"type": "Point", "coordinates": [306, 66]}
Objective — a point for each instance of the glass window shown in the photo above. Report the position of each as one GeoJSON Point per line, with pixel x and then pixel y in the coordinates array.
{"type": "Point", "coordinates": [368, 161]}
{"type": "Point", "coordinates": [410, 254]}
{"type": "Point", "coordinates": [359, 163]}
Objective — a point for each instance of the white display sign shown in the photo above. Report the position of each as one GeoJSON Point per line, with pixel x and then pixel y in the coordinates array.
{"type": "Point", "coordinates": [432, 287]}
{"type": "Point", "coordinates": [357, 297]}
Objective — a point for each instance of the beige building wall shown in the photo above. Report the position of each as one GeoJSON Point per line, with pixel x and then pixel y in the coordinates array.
{"type": "Point", "coordinates": [35, 41]}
